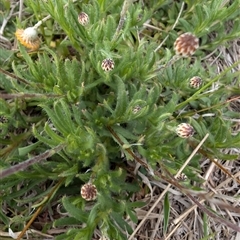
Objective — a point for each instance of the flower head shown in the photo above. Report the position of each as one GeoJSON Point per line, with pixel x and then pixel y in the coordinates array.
{"type": "Point", "coordinates": [83, 18]}
{"type": "Point", "coordinates": [185, 130]}
{"type": "Point", "coordinates": [182, 177]}
{"type": "Point", "coordinates": [28, 38]}
{"type": "Point", "coordinates": [186, 44]}
{"type": "Point", "coordinates": [136, 109]}
{"type": "Point", "coordinates": [3, 119]}
{"type": "Point", "coordinates": [89, 192]}
{"type": "Point", "coordinates": [195, 82]}
{"type": "Point", "coordinates": [103, 238]}
{"type": "Point", "coordinates": [107, 64]}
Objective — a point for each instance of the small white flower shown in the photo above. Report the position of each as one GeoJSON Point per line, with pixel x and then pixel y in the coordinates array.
{"type": "Point", "coordinates": [28, 38]}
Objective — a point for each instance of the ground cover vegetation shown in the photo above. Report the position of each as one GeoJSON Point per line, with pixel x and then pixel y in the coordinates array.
{"type": "Point", "coordinates": [119, 119]}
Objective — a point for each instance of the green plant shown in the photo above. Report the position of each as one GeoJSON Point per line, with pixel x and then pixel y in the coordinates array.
{"type": "Point", "coordinates": [92, 123]}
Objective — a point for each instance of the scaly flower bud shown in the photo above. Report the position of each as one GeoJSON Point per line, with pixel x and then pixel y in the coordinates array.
{"type": "Point", "coordinates": [107, 64]}
{"type": "Point", "coordinates": [103, 238]}
{"type": "Point", "coordinates": [182, 177]}
{"type": "Point", "coordinates": [89, 192]}
{"type": "Point", "coordinates": [185, 130]}
{"type": "Point", "coordinates": [195, 82]}
{"type": "Point", "coordinates": [186, 44]}
{"type": "Point", "coordinates": [83, 18]}
{"type": "Point", "coordinates": [136, 109]}
{"type": "Point", "coordinates": [3, 119]}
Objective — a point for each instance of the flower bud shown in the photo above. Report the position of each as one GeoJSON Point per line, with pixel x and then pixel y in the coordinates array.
{"type": "Point", "coordinates": [136, 109]}
{"type": "Point", "coordinates": [195, 82]}
{"type": "Point", "coordinates": [182, 177]}
{"type": "Point", "coordinates": [103, 238]}
{"type": "Point", "coordinates": [89, 192]}
{"type": "Point", "coordinates": [186, 44]}
{"type": "Point", "coordinates": [185, 130]}
{"type": "Point", "coordinates": [3, 119]}
{"type": "Point", "coordinates": [83, 18]}
{"type": "Point", "coordinates": [107, 64]}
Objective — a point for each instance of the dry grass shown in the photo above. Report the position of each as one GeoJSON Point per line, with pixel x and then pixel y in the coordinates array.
{"type": "Point", "coordinates": [221, 188]}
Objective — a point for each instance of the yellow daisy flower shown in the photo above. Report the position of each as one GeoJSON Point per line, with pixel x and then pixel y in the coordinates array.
{"type": "Point", "coordinates": [28, 38]}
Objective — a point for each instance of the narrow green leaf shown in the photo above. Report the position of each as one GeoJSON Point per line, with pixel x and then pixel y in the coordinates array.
{"type": "Point", "coordinates": [121, 223]}
{"type": "Point", "coordinates": [3, 218]}
{"type": "Point", "coordinates": [54, 136]}
{"type": "Point", "coordinates": [84, 234]}
{"type": "Point", "coordinates": [25, 150]}
{"type": "Point", "coordinates": [45, 140]}
{"type": "Point", "coordinates": [75, 212]}
{"type": "Point", "coordinates": [67, 221]}
{"type": "Point", "coordinates": [132, 215]}
{"type": "Point", "coordinates": [121, 98]}
{"type": "Point", "coordinates": [166, 210]}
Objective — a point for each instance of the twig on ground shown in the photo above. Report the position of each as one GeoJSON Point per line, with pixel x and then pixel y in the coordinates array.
{"type": "Point", "coordinates": [23, 165]}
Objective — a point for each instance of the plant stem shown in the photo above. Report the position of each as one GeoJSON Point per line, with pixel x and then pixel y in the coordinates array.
{"type": "Point", "coordinates": [23, 165]}
{"type": "Point", "coordinates": [122, 18]}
